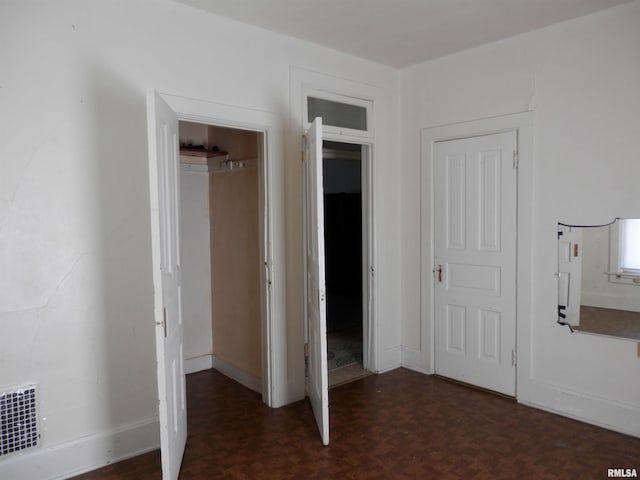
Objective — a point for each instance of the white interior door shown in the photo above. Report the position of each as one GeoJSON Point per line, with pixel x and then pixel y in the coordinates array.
{"type": "Point", "coordinates": [164, 178]}
{"type": "Point", "coordinates": [569, 274]}
{"type": "Point", "coordinates": [475, 260]}
{"type": "Point", "coordinates": [317, 386]}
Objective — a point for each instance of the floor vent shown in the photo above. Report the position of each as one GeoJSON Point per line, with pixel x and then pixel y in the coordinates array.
{"type": "Point", "coordinates": [18, 419]}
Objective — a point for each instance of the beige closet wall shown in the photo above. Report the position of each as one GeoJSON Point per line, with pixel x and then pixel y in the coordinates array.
{"type": "Point", "coordinates": [240, 144]}
{"type": "Point", "coordinates": [235, 254]}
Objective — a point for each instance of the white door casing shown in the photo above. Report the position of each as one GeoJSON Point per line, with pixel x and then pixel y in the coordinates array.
{"type": "Point", "coordinates": [475, 201]}
{"type": "Point", "coordinates": [317, 386]}
{"type": "Point", "coordinates": [162, 124]}
{"type": "Point", "coordinates": [275, 391]}
{"type": "Point", "coordinates": [302, 81]}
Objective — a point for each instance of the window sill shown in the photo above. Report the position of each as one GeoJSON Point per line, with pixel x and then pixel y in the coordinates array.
{"type": "Point", "coordinates": [624, 277]}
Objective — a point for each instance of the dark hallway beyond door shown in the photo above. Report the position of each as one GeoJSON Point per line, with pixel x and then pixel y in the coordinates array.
{"type": "Point", "coordinates": [343, 236]}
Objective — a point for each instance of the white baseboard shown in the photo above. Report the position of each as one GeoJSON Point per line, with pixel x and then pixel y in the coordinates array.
{"type": "Point", "coordinates": [388, 359]}
{"type": "Point", "coordinates": [238, 375]}
{"type": "Point", "coordinates": [596, 411]}
{"type": "Point", "coordinates": [197, 364]}
{"type": "Point", "coordinates": [84, 454]}
{"type": "Point", "coordinates": [601, 412]}
{"type": "Point", "coordinates": [415, 360]}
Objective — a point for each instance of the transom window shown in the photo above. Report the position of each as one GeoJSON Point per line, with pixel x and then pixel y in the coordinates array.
{"type": "Point", "coordinates": [336, 113]}
{"type": "Point", "coordinates": [341, 114]}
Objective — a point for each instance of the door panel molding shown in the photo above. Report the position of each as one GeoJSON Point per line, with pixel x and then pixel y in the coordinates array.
{"type": "Point", "coordinates": [477, 278]}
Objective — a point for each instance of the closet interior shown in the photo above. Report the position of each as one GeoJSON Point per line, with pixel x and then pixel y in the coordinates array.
{"type": "Point", "coordinates": [220, 248]}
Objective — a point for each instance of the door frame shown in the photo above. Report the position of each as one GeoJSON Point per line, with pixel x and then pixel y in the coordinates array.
{"type": "Point", "coordinates": [522, 124]}
{"type": "Point", "coordinates": [273, 325]}
{"type": "Point", "coordinates": [367, 240]}
{"type": "Point", "coordinates": [368, 248]}
{"type": "Point", "coordinates": [302, 83]}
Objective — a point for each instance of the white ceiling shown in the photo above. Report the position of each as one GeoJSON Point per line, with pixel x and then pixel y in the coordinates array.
{"type": "Point", "coordinates": [400, 33]}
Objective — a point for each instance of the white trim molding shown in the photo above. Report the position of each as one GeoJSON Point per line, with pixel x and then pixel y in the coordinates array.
{"type": "Point", "coordinates": [84, 454]}
{"type": "Point", "coordinates": [240, 376]}
{"type": "Point", "coordinates": [198, 364]}
{"type": "Point", "coordinates": [378, 355]}
{"type": "Point", "coordinates": [602, 412]}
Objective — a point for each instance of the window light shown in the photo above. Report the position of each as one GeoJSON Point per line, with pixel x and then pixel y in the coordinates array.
{"type": "Point", "coordinates": [630, 245]}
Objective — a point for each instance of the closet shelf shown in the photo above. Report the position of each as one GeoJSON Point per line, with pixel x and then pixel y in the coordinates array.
{"type": "Point", "coordinates": [199, 152]}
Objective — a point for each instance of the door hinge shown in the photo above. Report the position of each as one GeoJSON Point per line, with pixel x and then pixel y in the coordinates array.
{"type": "Point", "coordinates": [164, 321]}
{"type": "Point", "coordinates": [516, 159]}
{"type": "Point", "coordinates": [514, 358]}
{"type": "Point", "coordinates": [306, 360]}
{"type": "Point", "coordinates": [267, 273]}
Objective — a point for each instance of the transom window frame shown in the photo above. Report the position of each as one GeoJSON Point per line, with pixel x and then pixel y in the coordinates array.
{"type": "Point", "coordinates": [367, 104]}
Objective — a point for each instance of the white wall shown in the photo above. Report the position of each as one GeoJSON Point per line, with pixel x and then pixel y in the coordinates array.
{"type": "Point", "coordinates": [581, 80]}
{"type": "Point", "coordinates": [75, 290]}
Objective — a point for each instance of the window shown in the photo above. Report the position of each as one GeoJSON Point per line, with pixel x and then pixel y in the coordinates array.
{"type": "Point", "coordinates": [341, 114]}
{"type": "Point", "coordinates": [624, 259]}
{"type": "Point", "coordinates": [630, 246]}
{"type": "Point", "coordinates": [337, 114]}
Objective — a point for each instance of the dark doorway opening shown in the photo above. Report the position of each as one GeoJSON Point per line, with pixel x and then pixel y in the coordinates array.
{"type": "Point", "coordinates": [343, 214]}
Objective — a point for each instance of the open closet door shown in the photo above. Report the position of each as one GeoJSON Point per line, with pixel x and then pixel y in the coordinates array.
{"type": "Point", "coordinates": [317, 387]}
{"type": "Point", "coordinates": [162, 124]}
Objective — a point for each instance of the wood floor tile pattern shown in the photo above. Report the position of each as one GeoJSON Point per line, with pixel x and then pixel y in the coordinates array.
{"type": "Point", "coordinates": [398, 425]}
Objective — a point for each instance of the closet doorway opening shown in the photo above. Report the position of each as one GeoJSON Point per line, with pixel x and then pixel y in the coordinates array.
{"type": "Point", "coordinates": [222, 231]}
{"type": "Point", "coordinates": [345, 174]}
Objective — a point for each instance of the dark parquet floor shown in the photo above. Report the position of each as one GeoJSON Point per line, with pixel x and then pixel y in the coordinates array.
{"type": "Point", "coordinates": [398, 425]}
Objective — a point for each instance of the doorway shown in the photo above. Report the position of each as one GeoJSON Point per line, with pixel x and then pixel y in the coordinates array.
{"type": "Point", "coordinates": [345, 207]}
{"type": "Point", "coordinates": [221, 266]}
{"type": "Point", "coordinates": [163, 114]}
{"type": "Point", "coordinates": [475, 213]}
